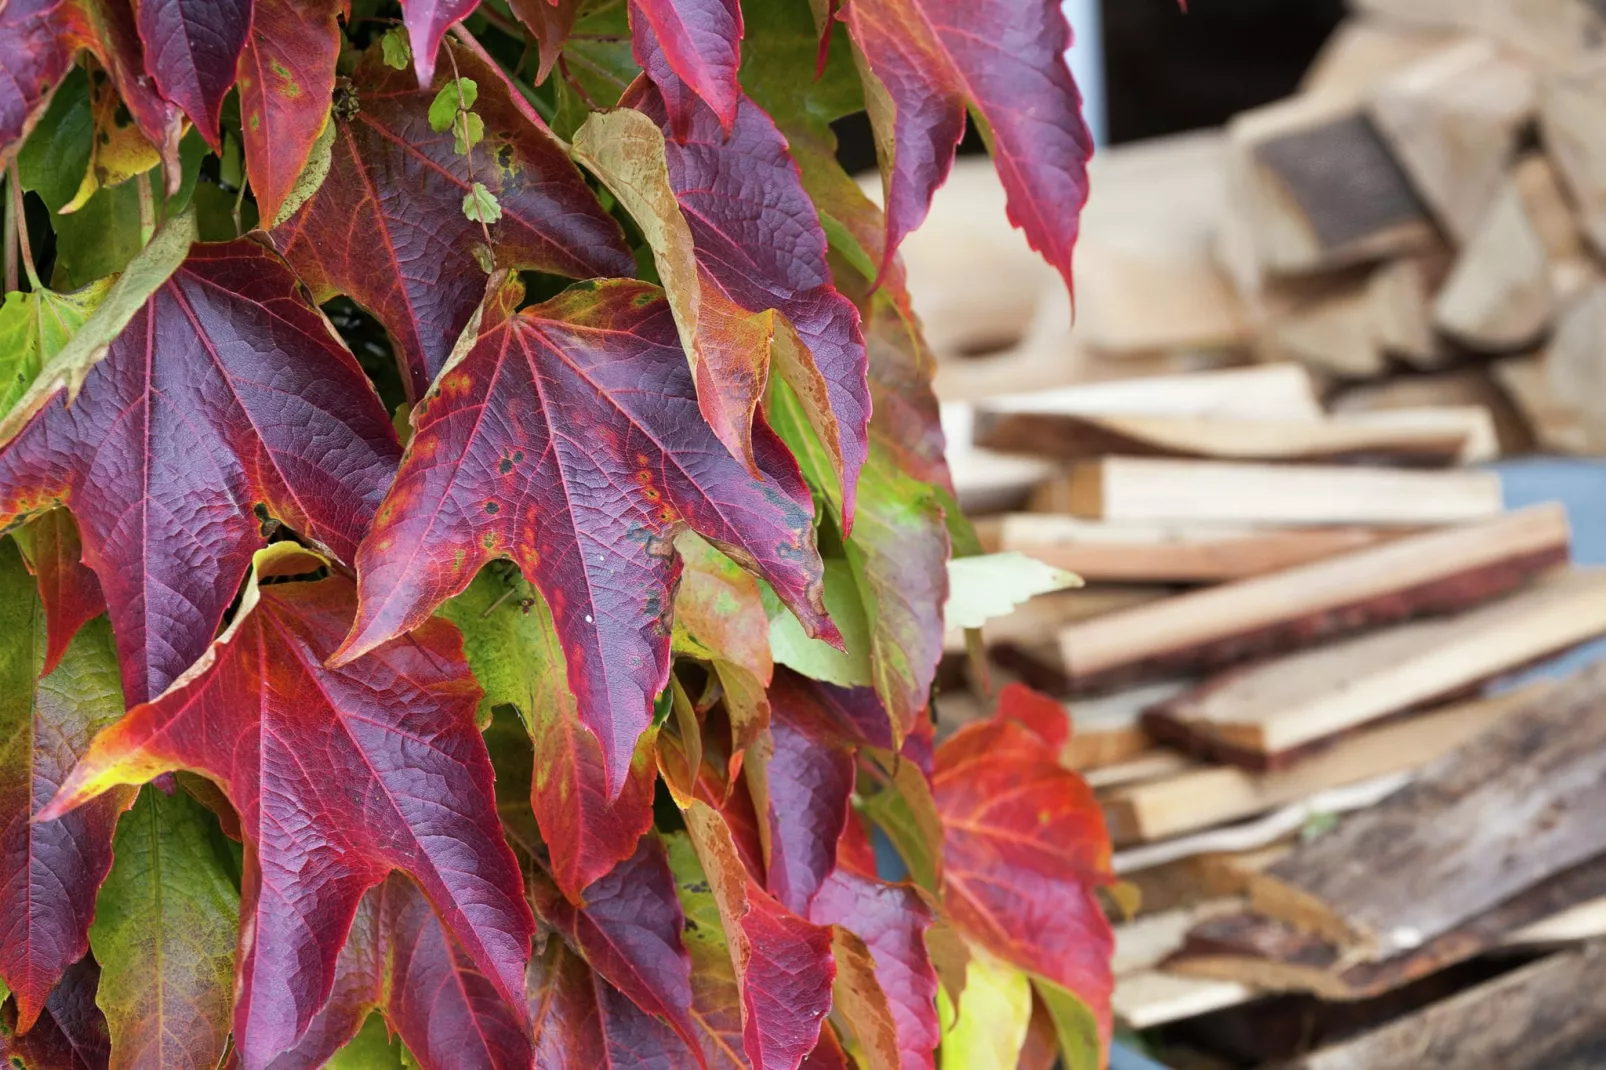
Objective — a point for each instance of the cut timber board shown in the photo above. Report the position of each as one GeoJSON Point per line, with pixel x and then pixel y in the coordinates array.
{"type": "Point", "coordinates": [1203, 798]}
{"type": "Point", "coordinates": [1435, 438]}
{"type": "Point", "coordinates": [1256, 950]}
{"type": "Point", "coordinates": [1266, 391]}
{"type": "Point", "coordinates": [1157, 490]}
{"type": "Point", "coordinates": [1257, 714]}
{"type": "Point", "coordinates": [1109, 729]}
{"type": "Point", "coordinates": [1158, 553]}
{"type": "Point", "coordinates": [1149, 998]}
{"type": "Point", "coordinates": [1518, 804]}
{"type": "Point", "coordinates": [1522, 1020]}
{"type": "Point", "coordinates": [1435, 572]}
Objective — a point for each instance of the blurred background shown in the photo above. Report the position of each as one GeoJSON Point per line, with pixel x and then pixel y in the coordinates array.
{"type": "Point", "coordinates": [1322, 439]}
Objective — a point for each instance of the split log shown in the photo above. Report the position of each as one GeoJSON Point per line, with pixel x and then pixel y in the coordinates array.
{"type": "Point", "coordinates": [1575, 361]}
{"type": "Point", "coordinates": [1256, 950]}
{"type": "Point", "coordinates": [1155, 490]}
{"type": "Point", "coordinates": [1557, 422]}
{"type": "Point", "coordinates": [1522, 1020]}
{"type": "Point", "coordinates": [1135, 553]}
{"type": "Point", "coordinates": [1263, 716]}
{"type": "Point", "coordinates": [1361, 52]}
{"type": "Point", "coordinates": [1400, 295]}
{"type": "Point", "coordinates": [1435, 572]}
{"type": "Point", "coordinates": [1499, 297]}
{"type": "Point", "coordinates": [1572, 113]}
{"type": "Point", "coordinates": [1519, 804]}
{"type": "Point", "coordinates": [1551, 32]}
{"type": "Point", "coordinates": [1326, 323]}
{"type": "Point", "coordinates": [1453, 121]}
{"type": "Point", "coordinates": [1471, 388]}
{"type": "Point", "coordinates": [1204, 798]}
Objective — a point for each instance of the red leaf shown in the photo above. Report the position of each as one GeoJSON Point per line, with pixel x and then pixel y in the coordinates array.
{"type": "Point", "coordinates": [892, 921]}
{"type": "Point", "coordinates": [192, 48]}
{"type": "Point", "coordinates": [568, 439]}
{"type": "Point", "coordinates": [828, 1053]}
{"type": "Point", "coordinates": [584, 1023]}
{"type": "Point", "coordinates": [1024, 848]}
{"type": "Point", "coordinates": [629, 932]}
{"type": "Point", "coordinates": [226, 399]}
{"type": "Point", "coordinates": [35, 53]}
{"type": "Point", "coordinates": [427, 22]}
{"type": "Point", "coordinates": [783, 963]}
{"type": "Point", "coordinates": [339, 776]}
{"type": "Point", "coordinates": [758, 239]}
{"type": "Point", "coordinates": [551, 21]}
{"type": "Point", "coordinates": [286, 78]}
{"type": "Point", "coordinates": [815, 729]}
{"type": "Point", "coordinates": [1044, 716]}
{"type": "Point", "coordinates": [71, 1034]}
{"type": "Point", "coordinates": [700, 45]}
{"type": "Point", "coordinates": [400, 961]}
{"type": "Point", "coordinates": [387, 225]}
{"type": "Point", "coordinates": [49, 873]}
{"type": "Point", "coordinates": [1004, 58]}
{"type": "Point", "coordinates": [70, 591]}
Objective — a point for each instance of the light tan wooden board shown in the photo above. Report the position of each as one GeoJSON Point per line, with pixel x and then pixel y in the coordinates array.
{"type": "Point", "coordinates": [1165, 490]}
{"type": "Point", "coordinates": [1158, 553]}
{"type": "Point", "coordinates": [1241, 618]}
{"type": "Point", "coordinates": [1572, 114]}
{"type": "Point", "coordinates": [1203, 798]}
{"type": "Point", "coordinates": [1282, 705]}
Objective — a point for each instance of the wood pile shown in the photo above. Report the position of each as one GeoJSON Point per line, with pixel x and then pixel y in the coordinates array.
{"type": "Point", "coordinates": [1363, 834]}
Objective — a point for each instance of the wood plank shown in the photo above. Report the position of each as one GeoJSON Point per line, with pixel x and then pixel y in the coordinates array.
{"type": "Point", "coordinates": [1430, 438]}
{"type": "Point", "coordinates": [1266, 953]}
{"type": "Point", "coordinates": [1109, 729]}
{"type": "Point", "coordinates": [1517, 805]}
{"type": "Point", "coordinates": [1135, 553]}
{"type": "Point", "coordinates": [1154, 764]}
{"type": "Point", "coordinates": [1144, 943]}
{"type": "Point", "coordinates": [1435, 572]}
{"type": "Point", "coordinates": [1522, 1020]}
{"type": "Point", "coordinates": [1572, 113]}
{"type": "Point", "coordinates": [1147, 999]}
{"type": "Point", "coordinates": [1214, 796]}
{"type": "Point", "coordinates": [1279, 390]}
{"type": "Point", "coordinates": [1466, 388]}
{"type": "Point", "coordinates": [1039, 620]}
{"type": "Point", "coordinates": [1156, 490]}
{"type": "Point", "coordinates": [1261, 713]}
{"type": "Point", "coordinates": [1453, 120]}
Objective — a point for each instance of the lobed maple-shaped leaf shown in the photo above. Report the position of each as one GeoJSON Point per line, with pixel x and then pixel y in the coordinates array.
{"type": "Point", "coordinates": [1024, 850]}
{"type": "Point", "coordinates": [286, 79]}
{"type": "Point", "coordinates": [70, 1034]}
{"type": "Point", "coordinates": [339, 776]}
{"type": "Point", "coordinates": [399, 960]}
{"type": "Point", "coordinates": [1005, 59]}
{"type": "Point", "coordinates": [629, 932]}
{"type": "Point", "coordinates": [892, 921]}
{"type": "Point", "coordinates": [225, 401]}
{"type": "Point", "coordinates": [815, 732]}
{"type": "Point", "coordinates": [699, 46]}
{"type": "Point", "coordinates": [427, 22]}
{"type": "Point", "coordinates": [166, 924]}
{"type": "Point", "coordinates": [568, 439]}
{"type": "Point", "coordinates": [49, 873]}
{"type": "Point", "coordinates": [387, 227]}
{"type": "Point", "coordinates": [783, 963]}
{"type": "Point", "coordinates": [192, 48]}
{"type": "Point", "coordinates": [584, 1023]}
{"type": "Point", "coordinates": [513, 647]}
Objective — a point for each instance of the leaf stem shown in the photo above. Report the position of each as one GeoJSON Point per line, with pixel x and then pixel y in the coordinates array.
{"type": "Point", "coordinates": [462, 119]}
{"type": "Point", "coordinates": [147, 208]}
{"type": "Point", "coordinates": [9, 231]}
{"type": "Point", "coordinates": [239, 201]}
{"type": "Point", "coordinates": [20, 235]}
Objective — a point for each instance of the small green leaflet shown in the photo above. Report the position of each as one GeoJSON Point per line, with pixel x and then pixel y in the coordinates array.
{"type": "Point", "coordinates": [481, 205]}
{"type": "Point", "coordinates": [992, 585]}
{"type": "Point", "coordinates": [815, 657]}
{"type": "Point", "coordinates": [34, 327]}
{"type": "Point", "coordinates": [455, 99]}
{"type": "Point", "coordinates": [373, 1048]}
{"type": "Point", "coordinates": [396, 49]}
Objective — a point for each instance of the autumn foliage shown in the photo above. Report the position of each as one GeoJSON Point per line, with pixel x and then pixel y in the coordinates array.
{"type": "Point", "coordinates": [478, 538]}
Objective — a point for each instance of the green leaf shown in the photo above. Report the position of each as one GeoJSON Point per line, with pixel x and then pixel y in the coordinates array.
{"type": "Point", "coordinates": [1074, 1024]}
{"type": "Point", "coordinates": [373, 1048]}
{"type": "Point", "coordinates": [780, 48]}
{"type": "Point", "coordinates": [312, 174]}
{"type": "Point", "coordinates": [53, 160]}
{"type": "Point", "coordinates": [992, 585]}
{"type": "Point", "coordinates": [988, 1028]}
{"type": "Point", "coordinates": [481, 205]}
{"type": "Point", "coordinates": [125, 297]}
{"type": "Point", "coordinates": [459, 94]}
{"type": "Point", "coordinates": [499, 631]}
{"type": "Point", "coordinates": [34, 327]}
{"type": "Point", "coordinates": [396, 49]}
{"type": "Point", "coordinates": [475, 127]}
{"type": "Point", "coordinates": [815, 657]}
{"type": "Point", "coordinates": [164, 934]}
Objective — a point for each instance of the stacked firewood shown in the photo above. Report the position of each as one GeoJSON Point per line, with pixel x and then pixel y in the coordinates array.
{"type": "Point", "coordinates": [1363, 833]}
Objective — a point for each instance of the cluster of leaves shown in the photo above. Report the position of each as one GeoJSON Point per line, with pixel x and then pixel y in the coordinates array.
{"type": "Point", "coordinates": [534, 700]}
